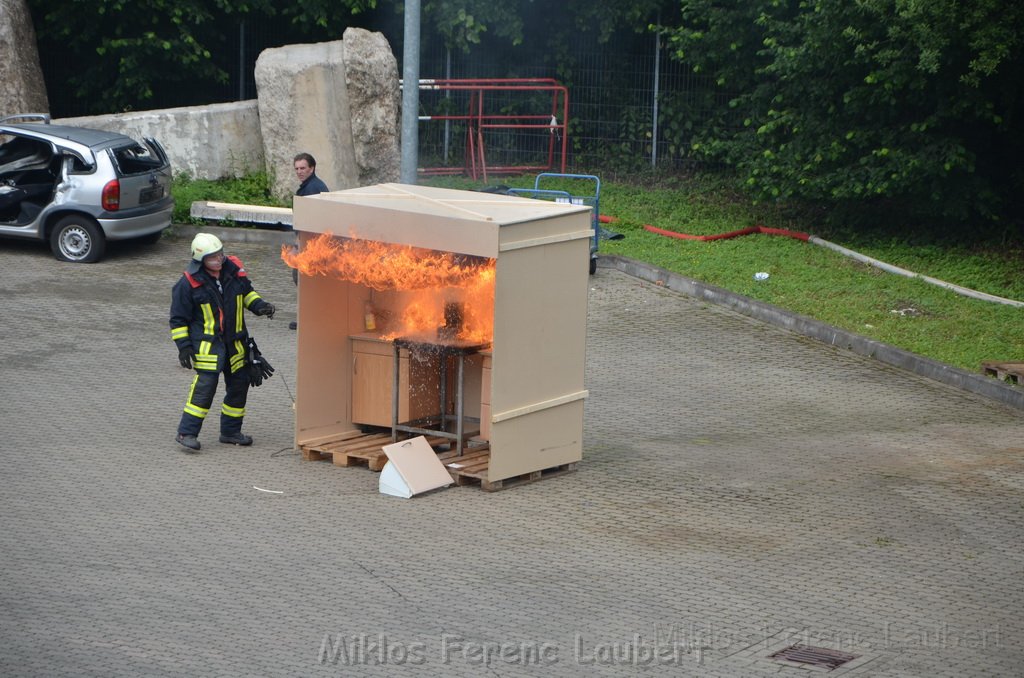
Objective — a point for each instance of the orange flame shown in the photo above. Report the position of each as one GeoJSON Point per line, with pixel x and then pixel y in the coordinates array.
{"type": "Point", "coordinates": [414, 283]}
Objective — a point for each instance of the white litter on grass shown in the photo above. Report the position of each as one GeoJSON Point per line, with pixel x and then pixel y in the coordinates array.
{"type": "Point", "coordinates": [270, 491]}
{"type": "Point", "coordinates": [904, 312]}
{"type": "Point", "coordinates": [760, 275]}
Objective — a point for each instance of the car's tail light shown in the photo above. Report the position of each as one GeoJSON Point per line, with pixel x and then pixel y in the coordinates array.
{"type": "Point", "coordinates": [111, 199]}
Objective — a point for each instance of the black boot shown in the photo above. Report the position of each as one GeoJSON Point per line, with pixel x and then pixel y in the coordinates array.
{"type": "Point", "coordinates": [236, 439]}
{"type": "Point", "coordinates": [191, 442]}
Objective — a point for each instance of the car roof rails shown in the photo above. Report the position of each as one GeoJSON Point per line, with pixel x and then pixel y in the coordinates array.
{"type": "Point", "coordinates": [35, 117]}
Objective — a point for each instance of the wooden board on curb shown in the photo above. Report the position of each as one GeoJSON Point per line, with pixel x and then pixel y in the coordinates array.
{"type": "Point", "coordinates": [1009, 372]}
{"type": "Point", "coordinates": [247, 214]}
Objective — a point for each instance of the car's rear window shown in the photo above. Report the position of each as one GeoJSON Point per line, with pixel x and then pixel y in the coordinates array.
{"type": "Point", "coordinates": [137, 158]}
{"type": "Point", "coordinates": [23, 153]}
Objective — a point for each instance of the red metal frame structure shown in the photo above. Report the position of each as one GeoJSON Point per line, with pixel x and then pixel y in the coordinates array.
{"type": "Point", "coordinates": [478, 121]}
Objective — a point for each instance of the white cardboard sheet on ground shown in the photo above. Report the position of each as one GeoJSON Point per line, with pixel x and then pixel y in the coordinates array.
{"type": "Point", "coordinates": [412, 468]}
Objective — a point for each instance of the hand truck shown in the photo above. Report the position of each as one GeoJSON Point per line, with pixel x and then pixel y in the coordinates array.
{"type": "Point", "coordinates": [574, 180]}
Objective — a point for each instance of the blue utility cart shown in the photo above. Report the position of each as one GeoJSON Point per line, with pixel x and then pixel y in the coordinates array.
{"type": "Point", "coordinates": [576, 197]}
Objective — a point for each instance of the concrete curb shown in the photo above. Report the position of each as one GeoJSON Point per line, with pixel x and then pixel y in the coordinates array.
{"type": "Point", "coordinates": [808, 327]}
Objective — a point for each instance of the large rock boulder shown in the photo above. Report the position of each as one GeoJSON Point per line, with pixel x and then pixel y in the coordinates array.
{"type": "Point", "coordinates": [374, 100]}
{"type": "Point", "coordinates": [23, 90]}
{"type": "Point", "coordinates": [336, 100]}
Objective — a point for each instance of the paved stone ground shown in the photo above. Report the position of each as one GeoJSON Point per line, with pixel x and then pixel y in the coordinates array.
{"type": "Point", "coordinates": [743, 489]}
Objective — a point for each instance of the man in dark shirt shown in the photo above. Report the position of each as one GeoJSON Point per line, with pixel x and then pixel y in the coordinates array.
{"type": "Point", "coordinates": [305, 170]}
{"type": "Point", "coordinates": [309, 184]}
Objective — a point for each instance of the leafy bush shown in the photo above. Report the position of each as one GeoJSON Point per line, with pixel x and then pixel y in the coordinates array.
{"type": "Point", "coordinates": [252, 189]}
{"type": "Point", "coordinates": [870, 107]}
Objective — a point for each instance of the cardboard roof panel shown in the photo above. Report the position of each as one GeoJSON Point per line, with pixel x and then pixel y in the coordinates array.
{"type": "Point", "coordinates": [423, 216]}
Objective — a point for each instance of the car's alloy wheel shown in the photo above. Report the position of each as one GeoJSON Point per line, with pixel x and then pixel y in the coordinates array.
{"type": "Point", "coordinates": [78, 239]}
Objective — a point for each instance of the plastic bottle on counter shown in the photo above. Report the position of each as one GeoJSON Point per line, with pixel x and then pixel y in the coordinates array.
{"type": "Point", "coordinates": [369, 317]}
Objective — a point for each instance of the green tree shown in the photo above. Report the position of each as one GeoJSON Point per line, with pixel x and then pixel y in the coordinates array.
{"type": "Point", "coordinates": [113, 55]}
{"type": "Point", "coordinates": [117, 54]}
{"type": "Point", "coordinates": [899, 104]}
{"type": "Point", "coordinates": [462, 23]}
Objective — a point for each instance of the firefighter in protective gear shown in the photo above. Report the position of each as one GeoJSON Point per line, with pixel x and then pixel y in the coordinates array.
{"type": "Point", "coordinates": [208, 327]}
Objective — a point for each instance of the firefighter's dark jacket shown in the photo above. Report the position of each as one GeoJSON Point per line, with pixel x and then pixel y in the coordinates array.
{"type": "Point", "coordinates": [211, 323]}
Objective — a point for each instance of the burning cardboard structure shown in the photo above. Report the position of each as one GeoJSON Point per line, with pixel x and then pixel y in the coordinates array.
{"type": "Point", "coordinates": [479, 301]}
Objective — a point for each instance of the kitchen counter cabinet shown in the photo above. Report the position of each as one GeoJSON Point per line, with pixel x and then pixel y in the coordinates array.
{"type": "Point", "coordinates": [373, 361]}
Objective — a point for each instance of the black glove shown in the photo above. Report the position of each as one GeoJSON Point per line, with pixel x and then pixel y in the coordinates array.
{"type": "Point", "coordinates": [259, 368]}
{"type": "Point", "coordinates": [185, 357]}
{"type": "Point", "coordinates": [267, 309]}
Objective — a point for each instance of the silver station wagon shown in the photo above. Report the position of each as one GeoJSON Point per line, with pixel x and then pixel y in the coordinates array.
{"type": "Point", "coordinates": [77, 188]}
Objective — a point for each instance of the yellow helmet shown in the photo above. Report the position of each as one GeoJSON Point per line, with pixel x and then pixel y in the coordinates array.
{"type": "Point", "coordinates": [205, 244]}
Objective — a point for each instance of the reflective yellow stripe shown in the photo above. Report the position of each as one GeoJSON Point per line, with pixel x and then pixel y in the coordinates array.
{"type": "Point", "coordinates": [208, 320]}
{"type": "Point", "coordinates": [194, 410]}
{"type": "Point", "coordinates": [251, 297]}
{"type": "Point", "coordinates": [238, 359]}
{"type": "Point", "coordinates": [206, 361]}
{"type": "Point", "coordinates": [238, 313]}
{"type": "Point", "coordinates": [229, 411]}
{"type": "Point", "coordinates": [179, 333]}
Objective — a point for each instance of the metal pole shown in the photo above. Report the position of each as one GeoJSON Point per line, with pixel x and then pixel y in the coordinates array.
{"type": "Point", "coordinates": [459, 405]}
{"type": "Point", "coordinates": [410, 92]}
{"type": "Point", "coordinates": [241, 60]}
{"type": "Point", "coordinates": [394, 390]}
{"type": "Point", "coordinates": [657, 71]}
{"type": "Point", "coordinates": [447, 96]}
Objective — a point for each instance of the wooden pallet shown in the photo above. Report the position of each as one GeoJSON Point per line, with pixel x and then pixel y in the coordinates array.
{"type": "Point", "coordinates": [367, 449]}
{"type": "Point", "coordinates": [355, 448]}
{"type": "Point", "coordinates": [323, 450]}
{"type": "Point", "coordinates": [1009, 372]}
{"type": "Point", "coordinates": [471, 468]}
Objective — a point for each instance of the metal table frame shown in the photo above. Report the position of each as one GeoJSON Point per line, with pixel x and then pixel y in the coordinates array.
{"type": "Point", "coordinates": [444, 350]}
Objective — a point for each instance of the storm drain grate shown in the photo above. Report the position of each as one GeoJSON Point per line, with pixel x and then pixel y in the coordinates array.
{"type": "Point", "coordinates": [815, 656]}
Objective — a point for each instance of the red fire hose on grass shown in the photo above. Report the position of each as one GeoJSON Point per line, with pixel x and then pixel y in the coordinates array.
{"type": "Point", "coordinates": [799, 235]}
{"type": "Point", "coordinates": [731, 234]}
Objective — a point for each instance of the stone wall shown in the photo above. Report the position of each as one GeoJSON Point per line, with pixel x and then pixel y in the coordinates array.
{"type": "Point", "coordinates": [207, 142]}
